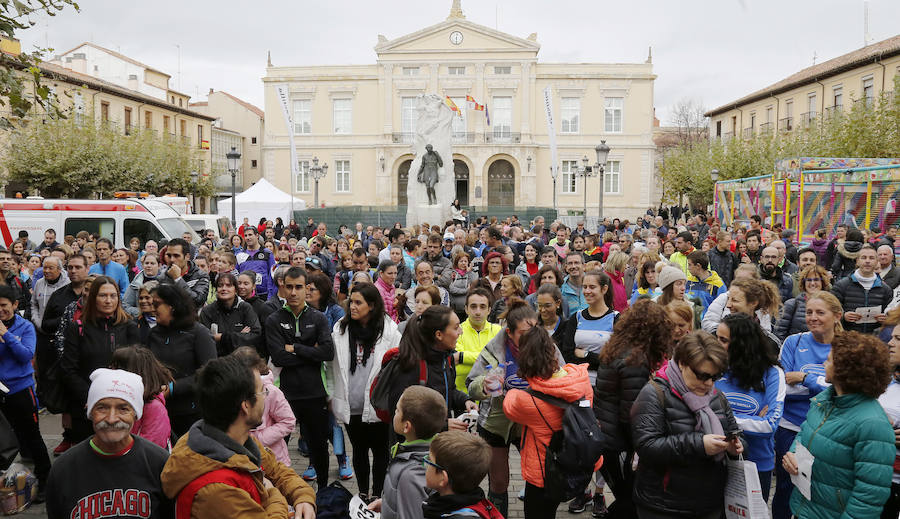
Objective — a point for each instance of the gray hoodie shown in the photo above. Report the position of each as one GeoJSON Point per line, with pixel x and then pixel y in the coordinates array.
{"type": "Point", "coordinates": [404, 485]}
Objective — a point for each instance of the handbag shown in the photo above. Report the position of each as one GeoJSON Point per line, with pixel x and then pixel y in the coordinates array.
{"type": "Point", "coordinates": [743, 493]}
{"type": "Point", "coordinates": [9, 444]}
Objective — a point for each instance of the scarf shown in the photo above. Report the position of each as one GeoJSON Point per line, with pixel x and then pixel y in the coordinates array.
{"type": "Point", "coordinates": [707, 421]}
{"type": "Point", "coordinates": [360, 335]}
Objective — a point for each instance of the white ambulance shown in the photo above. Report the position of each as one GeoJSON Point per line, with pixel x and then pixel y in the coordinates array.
{"type": "Point", "coordinates": [116, 219]}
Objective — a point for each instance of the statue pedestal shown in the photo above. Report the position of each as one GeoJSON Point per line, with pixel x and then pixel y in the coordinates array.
{"type": "Point", "coordinates": [433, 214]}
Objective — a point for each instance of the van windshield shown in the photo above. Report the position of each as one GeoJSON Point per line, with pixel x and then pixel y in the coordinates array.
{"type": "Point", "coordinates": [175, 227]}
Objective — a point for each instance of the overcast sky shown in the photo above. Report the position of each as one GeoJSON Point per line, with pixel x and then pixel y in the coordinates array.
{"type": "Point", "coordinates": [713, 51]}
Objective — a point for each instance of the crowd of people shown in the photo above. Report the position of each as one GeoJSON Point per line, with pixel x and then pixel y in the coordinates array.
{"type": "Point", "coordinates": [184, 372]}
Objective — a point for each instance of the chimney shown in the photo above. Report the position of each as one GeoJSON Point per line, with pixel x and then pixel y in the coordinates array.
{"type": "Point", "coordinates": [211, 91]}
{"type": "Point", "coordinates": [133, 82]}
{"type": "Point", "coordinates": [79, 62]}
{"type": "Point", "coordinates": [10, 46]}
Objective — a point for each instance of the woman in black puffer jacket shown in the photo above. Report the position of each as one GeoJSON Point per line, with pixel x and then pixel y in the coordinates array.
{"type": "Point", "coordinates": [846, 253]}
{"type": "Point", "coordinates": [793, 314]}
{"type": "Point", "coordinates": [89, 344]}
{"type": "Point", "coordinates": [184, 346]}
{"type": "Point", "coordinates": [679, 426]}
{"type": "Point", "coordinates": [638, 346]}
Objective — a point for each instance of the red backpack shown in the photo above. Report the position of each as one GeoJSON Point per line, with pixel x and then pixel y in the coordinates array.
{"type": "Point", "coordinates": [379, 393]}
{"type": "Point", "coordinates": [484, 508]}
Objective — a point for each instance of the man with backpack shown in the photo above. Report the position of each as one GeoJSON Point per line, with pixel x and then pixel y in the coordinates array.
{"type": "Point", "coordinates": [217, 469]}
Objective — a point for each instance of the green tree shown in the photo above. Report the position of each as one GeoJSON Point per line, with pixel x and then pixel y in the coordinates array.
{"type": "Point", "coordinates": [79, 157]}
{"type": "Point", "coordinates": [15, 92]}
{"type": "Point", "coordinates": [868, 129]}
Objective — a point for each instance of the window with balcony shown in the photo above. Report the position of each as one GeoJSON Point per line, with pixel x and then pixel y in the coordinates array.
{"type": "Point", "coordinates": [868, 90]}
{"type": "Point", "coordinates": [410, 71]}
{"type": "Point", "coordinates": [812, 105]}
{"type": "Point", "coordinates": [502, 120]}
{"type": "Point", "coordinates": [302, 185]}
{"type": "Point", "coordinates": [567, 174]}
{"type": "Point", "coordinates": [570, 113]}
{"type": "Point", "coordinates": [104, 111]}
{"type": "Point", "coordinates": [612, 177]}
{"type": "Point", "coordinates": [502, 70]}
{"type": "Point", "coordinates": [342, 176]}
{"type": "Point", "coordinates": [302, 116]}
{"type": "Point", "coordinates": [613, 113]}
{"type": "Point", "coordinates": [343, 116]}
{"type": "Point", "coordinates": [456, 71]}
{"type": "Point", "coordinates": [837, 97]}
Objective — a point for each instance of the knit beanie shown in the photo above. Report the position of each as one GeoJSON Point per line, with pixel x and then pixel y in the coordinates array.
{"type": "Point", "coordinates": [116, 383]}
{"type": "Point", "coordinates": [669, 275]}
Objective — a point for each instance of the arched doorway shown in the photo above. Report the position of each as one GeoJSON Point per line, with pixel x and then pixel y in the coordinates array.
{"type": "Point", "coordinates": [461, 173]}
{"type": "Point", "coordinates": [501, 184]}
{"type": "Point", "coordinates": [402, 181]}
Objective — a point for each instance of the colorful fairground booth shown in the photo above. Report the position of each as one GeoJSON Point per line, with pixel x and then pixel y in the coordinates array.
{"type": "Point", "coordinates": [811, 193]}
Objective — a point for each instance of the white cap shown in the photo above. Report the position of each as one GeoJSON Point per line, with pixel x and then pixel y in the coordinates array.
{"type": "Point", "coordinates": [116, 383]}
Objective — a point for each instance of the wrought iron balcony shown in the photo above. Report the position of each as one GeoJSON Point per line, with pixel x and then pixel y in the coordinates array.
{"type": "Point", "coordinates": [786, 124]}
{"type": "Point", "coordinates": [502, 137]}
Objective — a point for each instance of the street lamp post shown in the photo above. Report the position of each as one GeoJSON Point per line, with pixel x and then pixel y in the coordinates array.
{"type": "Point", "coordinates": [596, 170]}
{"type": "Point", "coordinates": [317, 172]}
{"type": "Point", "coordinates": [233, 158]}
{"type": "Point", "coordinates": [602, 151]}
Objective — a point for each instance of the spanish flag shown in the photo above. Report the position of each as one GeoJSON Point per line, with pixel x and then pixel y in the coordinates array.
{"type": "Point", "coordinates": [449, 102]}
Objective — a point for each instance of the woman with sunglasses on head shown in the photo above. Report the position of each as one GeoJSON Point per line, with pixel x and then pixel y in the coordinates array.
{"type": "Point", "coordinates": [755, 388]}
{"type": "Point", "coordinates": [682, 428]}
{"type": "Point", "coordinates": [793, 315]}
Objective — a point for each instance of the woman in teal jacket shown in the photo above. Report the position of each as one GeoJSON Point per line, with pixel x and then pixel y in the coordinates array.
{"type": "Point", "coordinates": [848, 435]}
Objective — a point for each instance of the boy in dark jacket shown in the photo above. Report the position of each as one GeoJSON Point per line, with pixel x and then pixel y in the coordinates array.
{"type": "Point", "coordinates": [456, 463]}
{"type": "Point", "coordinates": [421, 413]}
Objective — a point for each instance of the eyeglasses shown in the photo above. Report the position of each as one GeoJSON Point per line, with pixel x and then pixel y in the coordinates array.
{"type": "Point", "coordinates": [704, 377]}
{"type": "Point", "coordinates": [815, 280]}
{"type": "Point", "coordinates": [264, 392]}
{"type": "Point", "coordinates": [427, 461]}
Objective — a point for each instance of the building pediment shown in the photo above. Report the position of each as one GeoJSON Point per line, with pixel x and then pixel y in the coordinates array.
{"type": "Point", "coordinates": [437, 39]}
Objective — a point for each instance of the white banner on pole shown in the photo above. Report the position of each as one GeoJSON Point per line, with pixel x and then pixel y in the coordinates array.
{"type": "Point", "coordinates": [551, 130]}
{"type": "Point", "coordinates": [284, 98]}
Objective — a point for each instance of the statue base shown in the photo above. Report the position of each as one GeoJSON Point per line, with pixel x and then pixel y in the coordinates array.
{"type": "Point", "coordinates": [432, 214]}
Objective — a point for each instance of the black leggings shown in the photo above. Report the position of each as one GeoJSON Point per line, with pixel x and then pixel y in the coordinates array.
{"type": "Point", "coordinates": [313, 414]}
{"type": "Point", "coordinates": [537, 504]}
{"type": "Point", "coordinates": [21, 411]}
{"type": "Point", "coordinates": [367, 437]}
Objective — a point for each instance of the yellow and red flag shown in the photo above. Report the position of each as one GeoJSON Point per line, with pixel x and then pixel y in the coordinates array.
{"type": "Point", "coordinates": [449, 102]}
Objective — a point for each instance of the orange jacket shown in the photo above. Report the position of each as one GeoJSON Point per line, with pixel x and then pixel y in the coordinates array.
{"type": "Point", "coordinates": [522, 408]}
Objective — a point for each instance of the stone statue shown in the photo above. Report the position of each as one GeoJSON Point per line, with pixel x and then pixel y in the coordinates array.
{"type": "Point", "coordinates": [428, 172]}
{"type": "Point", "coordinates": [429, 198]}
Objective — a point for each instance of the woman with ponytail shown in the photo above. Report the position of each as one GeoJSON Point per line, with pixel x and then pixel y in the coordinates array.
{"type": "Point", "coordinates": [489, 387]}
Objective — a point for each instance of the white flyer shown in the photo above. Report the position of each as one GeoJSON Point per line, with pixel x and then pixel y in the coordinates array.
{"type": "Point", "coordinates": [868, 314]}
{"type": "Point", "coordinates": [803, 479]}
{"type": "Point", "coordinates": [359, 510]}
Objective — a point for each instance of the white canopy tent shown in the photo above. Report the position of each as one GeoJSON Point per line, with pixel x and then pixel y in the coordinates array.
{"type": "Point", "coordinates": [261, 200]}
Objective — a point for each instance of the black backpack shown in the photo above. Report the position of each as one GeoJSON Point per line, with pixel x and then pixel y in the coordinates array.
{"type": "Point", "coordinates": [573, 451]}
{"type": "Point", "coordinates": [333, 502]}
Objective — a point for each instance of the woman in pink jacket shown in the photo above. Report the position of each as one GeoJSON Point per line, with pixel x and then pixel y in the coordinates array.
{"type": "Point", "coordinates": [278, 420]}
{"type": "Point", "coordinates": [387, 275]}
{"type": "Point", "coordinates": [153, 425]}
{"type": "Point", "coordinates": [537, 364]}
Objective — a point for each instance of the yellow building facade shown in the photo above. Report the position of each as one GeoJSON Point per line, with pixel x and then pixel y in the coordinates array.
{"type": "Point", "coordinates": [360, 120]}
{"type": "Point", "coordinates": [812, 93]}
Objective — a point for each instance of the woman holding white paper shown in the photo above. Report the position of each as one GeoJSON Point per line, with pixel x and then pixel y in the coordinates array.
{"type": "Point", "coordinates": [846, 436]}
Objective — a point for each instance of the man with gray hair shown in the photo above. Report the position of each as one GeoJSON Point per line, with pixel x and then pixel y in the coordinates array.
{"type": "Point", "coordinates": [786, 265]}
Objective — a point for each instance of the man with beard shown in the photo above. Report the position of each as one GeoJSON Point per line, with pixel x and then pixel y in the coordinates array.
{"type": "Point", "coordinates": [684, 245]}
{"type": "Point", "coordinates": [182, 272]}
{"type": "Point", "coordinates": [771, 272]}
{"type": "Point", "coordinates": [217, 469]}
{"type": "Point", "coordinates": [434, 255]}
{"type": "Point", "coordinates": [124, 469]}
{"type": "Point", "coordinates": [754, 248]}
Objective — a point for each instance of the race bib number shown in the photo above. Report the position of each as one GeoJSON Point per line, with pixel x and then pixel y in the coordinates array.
{"type": "Point", "coordinates": [358, 510]}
